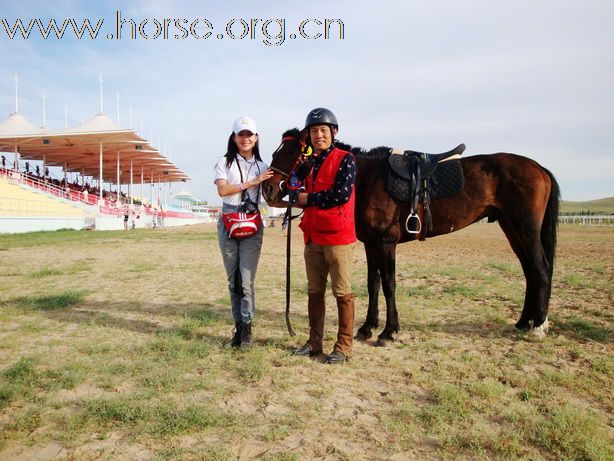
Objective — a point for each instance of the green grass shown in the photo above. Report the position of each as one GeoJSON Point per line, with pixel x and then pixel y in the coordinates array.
{"type": "Point", "coordinates": [602, 206]}
{"type": "Point", "coordinates": [52, 301]}
{"type": "Point", "coordinates": [249, 366]}
{"type": "Point", "coordinates": [46, 272]}
{"type": "Point", "coordinates": [26, 378]}
{"type": "Point", "coordinates": [571, 433]}
{"type": "Point", "coordinates": [578, 281]}
{"type": "Point", "coordinates": [22, 372]}
{"type": "Point", "coordinates": [69, 237]}
{"type": "Point", "coordinates": [449, 403]}
{"type": "Point", "coordinates": [585, 329]}
{"type": "Point", "coordinates": [501, 267]}
{"type": "Point", "coordinates": [157, 418]}
{"type": "Point", "coordinates": [456, 289]}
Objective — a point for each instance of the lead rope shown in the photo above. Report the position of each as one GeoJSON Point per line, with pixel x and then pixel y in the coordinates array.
{"type": "Point", "coordinates": [288, 219]}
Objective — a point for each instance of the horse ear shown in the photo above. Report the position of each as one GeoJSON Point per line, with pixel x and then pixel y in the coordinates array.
{"type": "Point", "coordinates": [302, 136]}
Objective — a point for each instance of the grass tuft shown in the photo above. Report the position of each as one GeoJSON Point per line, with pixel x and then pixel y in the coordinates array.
{"type": "Point", "coordinates": [251, 366]}
{"type": "Point", "coordinates": [585, 329]}
{"type": "Point", "coordinates": [572, 433]}
{"type": "Point", "coordinates": [449, 403]}
{"type": "Point", "coordinates": [22, 372]}
{"type": "Point", "coordinates": [457, 289]}
{"type": "Point", "coordinates": [52, 302]}
{"type": "Point", "coordinates": [158, 418]}
{"type": "Point", "coordinates": [46, 272]}
{"type": "Point", "coordinates": [577, 281]}
{"type": "Point", "coordinates": [7, 392]}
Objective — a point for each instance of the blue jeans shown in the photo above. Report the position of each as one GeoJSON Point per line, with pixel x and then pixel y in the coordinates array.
{"type": "Point", "coordinates": [240, 261]}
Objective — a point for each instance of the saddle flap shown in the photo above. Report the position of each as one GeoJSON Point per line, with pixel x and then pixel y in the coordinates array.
{"type": "Point", "coordinates": [400, 163]}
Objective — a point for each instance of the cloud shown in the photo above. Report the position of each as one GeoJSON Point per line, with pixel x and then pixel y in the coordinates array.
{"type": "Point", "coordinates": [535, 78]}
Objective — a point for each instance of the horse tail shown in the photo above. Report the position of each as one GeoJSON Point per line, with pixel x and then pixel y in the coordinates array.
{"type": "Point", "coordinates": [550, 225]}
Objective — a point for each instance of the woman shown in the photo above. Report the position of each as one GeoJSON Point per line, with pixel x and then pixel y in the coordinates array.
{"type": "Point", "coordinates": [241, 169]}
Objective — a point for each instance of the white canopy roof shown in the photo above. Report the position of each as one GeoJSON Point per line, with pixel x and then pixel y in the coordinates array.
{"type": "Point", "coordinates": [79, 149]}
{"type": "Point", "coordinates": [185, 196]}
{"type": "Point", "coordinates": [16, 126]}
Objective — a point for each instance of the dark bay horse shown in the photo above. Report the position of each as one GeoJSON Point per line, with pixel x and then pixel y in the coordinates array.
{"type": "Point", "coordinates": [518, 193]}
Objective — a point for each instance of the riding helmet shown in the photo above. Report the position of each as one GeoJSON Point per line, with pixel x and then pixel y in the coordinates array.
{"type": "Point", "coordinates": [321, 116]}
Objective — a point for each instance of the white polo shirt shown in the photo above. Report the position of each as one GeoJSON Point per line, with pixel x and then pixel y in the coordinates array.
{"type": "Point", "coordinates": [251, 169]}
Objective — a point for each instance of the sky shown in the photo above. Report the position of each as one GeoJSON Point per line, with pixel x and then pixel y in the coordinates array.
{"type": "Point", "coordinates": [534, 78]}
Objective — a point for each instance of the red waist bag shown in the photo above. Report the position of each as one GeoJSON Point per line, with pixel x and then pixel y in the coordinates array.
{"type": "Point", "coordinates": [241, 225]}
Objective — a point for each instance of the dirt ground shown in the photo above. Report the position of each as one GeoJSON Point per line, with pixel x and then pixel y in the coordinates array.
{"type": "Point", "coordinates": [459, 382]}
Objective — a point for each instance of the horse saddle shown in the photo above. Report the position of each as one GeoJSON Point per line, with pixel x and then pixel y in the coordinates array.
{"type": "Point", "coordinates": [411, 173]}
{"type": "Point", "coordinates": [403, 162]}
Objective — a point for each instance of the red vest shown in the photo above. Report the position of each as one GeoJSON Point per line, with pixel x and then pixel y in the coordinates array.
{"type": "Point", "coordinates": [333, 226]}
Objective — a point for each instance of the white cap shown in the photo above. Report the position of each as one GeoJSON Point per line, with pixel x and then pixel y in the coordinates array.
{"type": "Point", "coordinates": [244, 123]}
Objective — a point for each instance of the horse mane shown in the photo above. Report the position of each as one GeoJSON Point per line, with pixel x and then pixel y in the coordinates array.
{"type": "Point", "coordinates": [376, 153]}
{"type": "Point", "coordinates": [358, 152]}
{"type": "Point", "coordinates": [295, 132]}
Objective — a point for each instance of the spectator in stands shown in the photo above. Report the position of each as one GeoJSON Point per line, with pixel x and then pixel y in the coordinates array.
{"type": "Point", "coordinates": [125, 220]}
{"type": "Point", "coordinates": [3, 161]}
{"type": "Point", "coordinates": [241, 170]}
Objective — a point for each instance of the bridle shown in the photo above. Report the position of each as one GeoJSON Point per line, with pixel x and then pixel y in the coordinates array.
{"type": "Point", "coordinates": [306, 151]}
{"type": "Point", "coordinates": [277, 170]}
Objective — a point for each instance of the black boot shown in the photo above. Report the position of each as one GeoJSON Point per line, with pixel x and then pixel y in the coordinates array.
{"type": "Point", "coordinates": [335, 357]}
{"type": "Point", "coordinates": [236, 339]}
{"type": "Point", "coordinates": [305, 350]}
{"type": "Point", "coordinates": [246, 336]}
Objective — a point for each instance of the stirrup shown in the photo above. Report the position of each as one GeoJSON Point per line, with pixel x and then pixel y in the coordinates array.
{"type": "Point", "coordinates": [417, 218]}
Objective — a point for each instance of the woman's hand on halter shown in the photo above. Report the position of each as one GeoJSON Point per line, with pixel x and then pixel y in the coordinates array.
{"type": "Point", "coordinates": [264, 176]}
{"type": "Point", "coordinates": [224, 188]}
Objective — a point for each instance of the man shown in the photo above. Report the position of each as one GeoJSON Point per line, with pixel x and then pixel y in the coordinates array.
{"type": "Point", "coordinates": [329, 234]}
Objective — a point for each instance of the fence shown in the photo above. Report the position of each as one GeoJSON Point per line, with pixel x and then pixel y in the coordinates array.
{"type": "Point", "coordinates": [587, 220]}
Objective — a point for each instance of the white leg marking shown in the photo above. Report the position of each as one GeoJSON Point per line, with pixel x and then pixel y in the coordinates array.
{"type": "Point", "coordinates": [540, 331]}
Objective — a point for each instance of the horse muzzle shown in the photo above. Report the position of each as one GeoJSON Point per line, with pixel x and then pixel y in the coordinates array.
{"type": "Point", "coordinates": [272, 191]}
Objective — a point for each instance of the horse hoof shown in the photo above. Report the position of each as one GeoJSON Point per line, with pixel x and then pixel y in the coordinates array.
{"type": "Point", "coordinates": [384, 342]}
{"type": "Point", "coordinates": [539, 332]}
{"type": "Point", "coordinates": [362, 335]}
{"type": "Point", "coordinates": [523, 325]}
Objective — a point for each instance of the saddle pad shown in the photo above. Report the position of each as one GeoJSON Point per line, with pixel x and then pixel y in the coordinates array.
{"type": "Point", "coordinates": [446, 180]}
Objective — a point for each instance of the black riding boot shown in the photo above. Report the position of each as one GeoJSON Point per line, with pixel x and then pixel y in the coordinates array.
{"type": "Point", "coordinates": [246, 336]}
{"type": "Point", "coordinates": [236, 339]}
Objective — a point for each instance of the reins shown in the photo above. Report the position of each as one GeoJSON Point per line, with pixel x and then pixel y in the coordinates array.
{"type": "Point", "coordinates": [292, 198]}
{"type": "Point", "coordinates": [288, 219]}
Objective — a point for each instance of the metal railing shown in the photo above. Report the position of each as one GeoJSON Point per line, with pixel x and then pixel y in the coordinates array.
{"type": "Point", "coordinates": [587, 220]}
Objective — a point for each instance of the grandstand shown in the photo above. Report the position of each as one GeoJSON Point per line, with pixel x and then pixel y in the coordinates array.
{"type": "Point", "coordinates": [31, 204]}
{"type": "Point", "coordinates": [96, 153]}
{"type": "Point", "coordinates": [23, 210]}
